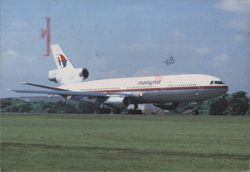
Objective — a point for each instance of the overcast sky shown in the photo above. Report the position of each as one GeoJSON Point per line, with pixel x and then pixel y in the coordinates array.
{"type": "Point", "coordinates": [115, 38]}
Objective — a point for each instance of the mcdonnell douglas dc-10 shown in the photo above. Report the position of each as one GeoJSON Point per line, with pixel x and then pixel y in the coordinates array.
{"type": "Point", "coordinates": [117, 94]}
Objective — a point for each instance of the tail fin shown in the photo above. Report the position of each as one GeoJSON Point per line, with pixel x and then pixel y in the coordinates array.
{"type": "Point", "coordinates": [61, 60]}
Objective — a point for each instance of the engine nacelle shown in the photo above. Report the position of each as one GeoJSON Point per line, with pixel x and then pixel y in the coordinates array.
{"type": "Point", "coordinates": [83, 72]}
{"type": "Point", "coordinates": [118, 102]}
{"type": "Point", "coordinates": [66, 75]}
{"type": "Point", "coordinates": [52, 76]}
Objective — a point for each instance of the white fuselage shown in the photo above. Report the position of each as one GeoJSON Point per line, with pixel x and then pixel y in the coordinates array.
{"type": "Point", "coordinates": [158, 89]}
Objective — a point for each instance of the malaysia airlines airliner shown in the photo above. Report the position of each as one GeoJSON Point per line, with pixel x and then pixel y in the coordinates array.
{"type": "Point", "coordinates": [119, 93]}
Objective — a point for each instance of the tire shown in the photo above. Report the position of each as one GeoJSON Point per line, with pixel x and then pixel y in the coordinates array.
{"type": "Point", "coordinates": [116, 111]}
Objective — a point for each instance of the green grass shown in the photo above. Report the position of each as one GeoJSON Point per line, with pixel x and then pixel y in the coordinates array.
{"type": "Point", "coordinates": [124, 143]}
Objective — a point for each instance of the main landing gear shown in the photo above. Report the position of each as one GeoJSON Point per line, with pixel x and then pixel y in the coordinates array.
{"type": "Point", "coordinates": [135, 110]}
{"type": "Point", "coordinates": [105, 110]}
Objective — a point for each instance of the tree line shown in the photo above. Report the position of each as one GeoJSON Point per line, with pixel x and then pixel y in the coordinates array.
{"type": "Point", "coordinates": [230, 104]}
{"type": "Point", "coordinates": [20, 106]}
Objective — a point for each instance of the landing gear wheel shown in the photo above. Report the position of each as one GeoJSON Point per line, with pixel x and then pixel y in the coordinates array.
{"type": "Point", "coordinates": [116, 111]}
{"type": "Point", "coordinates": [134, 111]}
{"type": "Point", "coordinates": [103, 111]}
{"type": "Point", "coordinates": [138, 111]}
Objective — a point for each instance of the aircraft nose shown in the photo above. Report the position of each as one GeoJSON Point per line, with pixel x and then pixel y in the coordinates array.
{"type": "Point", "coordinates": [225, 89]}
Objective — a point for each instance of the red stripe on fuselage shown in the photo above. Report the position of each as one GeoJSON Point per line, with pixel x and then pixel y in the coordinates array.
{"type": "Point", "coordinates": [159, 88]}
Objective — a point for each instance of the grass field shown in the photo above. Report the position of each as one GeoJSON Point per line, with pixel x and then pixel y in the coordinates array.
{"type": "Point", "coordinates": [124, 143]}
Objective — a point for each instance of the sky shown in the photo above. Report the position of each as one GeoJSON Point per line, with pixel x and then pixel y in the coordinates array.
{"type": "Point", "coordinates": [115, 38]}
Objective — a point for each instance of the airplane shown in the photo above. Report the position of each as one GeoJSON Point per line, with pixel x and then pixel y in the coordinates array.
{"type": "Point", "coordinates": [117, 94]}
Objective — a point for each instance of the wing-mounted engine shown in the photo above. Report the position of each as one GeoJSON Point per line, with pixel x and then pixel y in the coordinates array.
{"type": "Point", "coordinates": [117, 102]}
{"type": "Point", "coordinates": [65, 75]}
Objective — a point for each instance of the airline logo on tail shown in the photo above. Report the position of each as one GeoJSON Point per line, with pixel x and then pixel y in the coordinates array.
{"type": "Point", "coordinates": [62, 60]}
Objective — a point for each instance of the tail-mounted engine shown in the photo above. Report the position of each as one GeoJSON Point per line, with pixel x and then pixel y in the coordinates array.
{"type": "Point", "coordinates": [84, 73]}
{"type": "Point", "coordinates": [66, 75]}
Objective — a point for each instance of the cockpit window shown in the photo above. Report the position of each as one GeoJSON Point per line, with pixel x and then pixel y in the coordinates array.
{"type": "Point", "coordinates": [211, 82]}
{"type": "Point", "coordinates": [218, 82]}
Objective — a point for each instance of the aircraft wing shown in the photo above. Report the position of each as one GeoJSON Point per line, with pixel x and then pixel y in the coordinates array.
{"type": "Point", "coordinates": [76, 93]}
{"type": "Point", "coordinates": [64, 93]}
